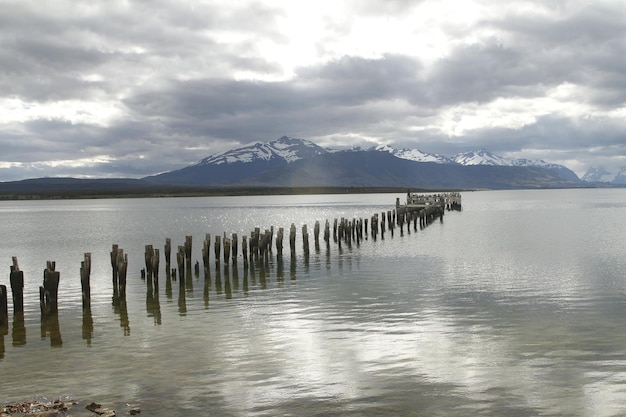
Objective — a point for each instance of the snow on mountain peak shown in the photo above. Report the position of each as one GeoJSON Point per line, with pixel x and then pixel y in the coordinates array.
{"type": "Point", "coordinates": [601, 174]}
{"type": "Point", "coordinates": [285, 148]}
{"type": "Point", "coordinates": [413, 154]}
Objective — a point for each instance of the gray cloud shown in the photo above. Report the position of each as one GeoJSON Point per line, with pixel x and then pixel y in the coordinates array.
{"type": "Point", "coordinates": [136, 88]}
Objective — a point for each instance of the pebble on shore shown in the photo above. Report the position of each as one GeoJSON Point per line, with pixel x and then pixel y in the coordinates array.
{"type": "Point", "coordinates": [56, 408]}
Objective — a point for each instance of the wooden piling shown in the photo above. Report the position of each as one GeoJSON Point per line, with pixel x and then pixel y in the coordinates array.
{"type": "Point", "coordinates": [148, 255]}
{"type": "Point", "coordinates": [206, 251]}
{"type": "Point", "coordinates": [279, 240]}
{"type": "Point", "coordinates": [292, 239]}
{"type": "Point", "coordinates": [85, 280]}
{"type": "Point", "coordinates": [155, 269]}
{"type": "Point", "coordinates": [49, 291]}
{"type": "Point", "coordinates": [114, 252]}
{"type": "Point", "coordinates": [226, 250]}
{"type": "Point", "coordinates": [316, 235]}
{"type": "Point", "coordinates": [188, 245]}
{"type": "Point", "coordinates": [181, 260]}
{"type": "Point", "coordinates": [168, 253]}
{"type": "Point", "coordinates": [17, 286]}
{"type": "Point", "coordinates": [244, 251]}
{"type": "Point", "coordinates": [233, 247]}
{"type": "Point", "coordinates": [305, 240]}
{"type": "Point", "coordinates": [4, 308]}
{"type": "Point", "coordinates": [122, 268]}
{"type": "Point", "coordinates": [217, 249]}
{"type": "Point", "coordinates": [327, 233]}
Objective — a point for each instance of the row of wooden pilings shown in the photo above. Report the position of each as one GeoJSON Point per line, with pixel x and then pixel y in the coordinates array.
{"type": "Point", "coordinates": [256, 248]}
{"type": "Point", "coordinates": [48, 302]}
{"type": "Point", "coordinates": [259, 244]}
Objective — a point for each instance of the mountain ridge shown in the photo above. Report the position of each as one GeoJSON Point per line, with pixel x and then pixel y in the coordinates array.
{"type": "Point", "coordinates": [292, 162]}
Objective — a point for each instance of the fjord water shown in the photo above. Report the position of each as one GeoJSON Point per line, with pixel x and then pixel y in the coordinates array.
{"type": "Point", "coordinates": [515, 306]}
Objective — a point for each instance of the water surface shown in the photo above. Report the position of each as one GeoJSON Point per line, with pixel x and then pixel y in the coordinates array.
{"type": "Point", "coordinates": [514, 306]}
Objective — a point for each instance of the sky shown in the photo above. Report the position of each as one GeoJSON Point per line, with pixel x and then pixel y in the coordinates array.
{"type": "Point", "coordinates": [115, 88]}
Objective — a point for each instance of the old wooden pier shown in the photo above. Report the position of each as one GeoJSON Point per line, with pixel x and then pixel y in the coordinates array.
{"type": "Point", "coordinates": [255, 250]}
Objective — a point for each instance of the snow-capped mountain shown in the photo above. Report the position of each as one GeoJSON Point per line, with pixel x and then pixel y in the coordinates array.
{"type": "Point", "coordinates": [484, 157]}
{"type": "Point", "coordinates": [600, 174]}
{"type": "Point", "coordinates": [297, 161]}
{"type": "Point", "coordinates": [413, 154]}
{"type": "Point", "coordinates": [285, 148]}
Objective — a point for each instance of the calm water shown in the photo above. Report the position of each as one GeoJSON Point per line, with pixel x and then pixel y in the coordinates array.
{"type": "Point", "coordinates": [515, 306]}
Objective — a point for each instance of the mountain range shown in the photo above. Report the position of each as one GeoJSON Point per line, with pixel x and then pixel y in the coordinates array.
{"type": "Point", "coordinates": [602, 175]}
{"type": "Point", "coordinates": [289, 162]}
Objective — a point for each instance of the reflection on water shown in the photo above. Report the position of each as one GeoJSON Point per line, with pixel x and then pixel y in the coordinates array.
{"type": "Point", "coordinates": [514, 306]}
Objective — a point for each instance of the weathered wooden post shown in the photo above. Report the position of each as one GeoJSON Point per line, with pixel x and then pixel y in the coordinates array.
{"type": "Point", "coordinates": [255, 242]}
{"type": "Point", "coordinates": [335, 231]}
{"type": "Point", "coordinates": [233, 248]}
{"type": "Point", "coordinates": [305, 240]}
{"type": "Point", "coordinates": [17, 286]}
{"type": "Point", "coordinates": [327, 233]}
{"type": "Point", "coordinates": [188, 244]}
{"type": "Point", "coordinates": [155, 269]}
{"type": "Point", "coordinates": [206, 251]}
{"type": "Point", "coordinates": [85, 277]}
{"type": "Point", "coordinates": [292, 238]}
{"type": "Point", "coordinates": [267, 245]}
{"type": "Point", "coordinates": [316, 235]}
{"type": "Point", "coordinates": [226, 250]}
{"type": "Point", "coordinates": [168, 254]}
{"type": "Point", "coordinates": [4, 309]}
{"type": "Point", "coordinates": [49, 292]}
{"type": "Point", "coordinates": [217, 249]}
{"type": "Point", "coordinates": [148, 255]}
{"type": "Point", "coordinates": [122, 268]}
{"type": "Point", "coordinates": [180, 260]}
{"type": "Point", "coordinates": [116, 252]}
{"type": "Point", "coordinates": [279, 240]}
{"type": "Point", "coordinates": [244, 250]}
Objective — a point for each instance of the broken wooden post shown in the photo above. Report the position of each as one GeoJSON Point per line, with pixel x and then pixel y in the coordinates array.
{"type": "Point", "coordinates": [226, 250]}
{"type": "Point", "coordinates": [292, 238]}
{"type": "Point", "coordinates": [114, 251]}
{"type": "Point", "coordinates": [49, 292]}
{"type": "Point", "coordinates": [327, 233]}
{"type": "Point", "coordinates": [305, 240]}
{"type": "Point", "coordinates": [17, 286]}
{"type": "Point", "coordinates": [155, 269]}
{"type": "Point", "coordinates": [168, 253]}
{"type": "Point", "coordinates": [255, 242]}
{"type": "Point", "coordinates": [244, 250]}
{"type": "Point", "coordinates": [85, 277]}
{"type": "Point", "coordinates": [206, 247]}
{"type": "Point", "coordinates": [279, 240]}
{"type": "Point", "coordinates": [180, 260]}
{"type": "Point", "coordinates": [148, 255]}
{"type": "Point", "coordinates": [234, 244]}
{"type": "Point", "coordinates": [316, 235]}
{"type": "Point", "coordinates": [122, 269]}
{"type": "Point", "coordinates": [4, 308]}
{"type": "Point", "coordinates": [218, 247]}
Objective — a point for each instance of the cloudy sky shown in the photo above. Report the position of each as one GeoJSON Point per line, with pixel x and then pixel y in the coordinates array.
{"type": "Point", "coordinates": [131, 88]}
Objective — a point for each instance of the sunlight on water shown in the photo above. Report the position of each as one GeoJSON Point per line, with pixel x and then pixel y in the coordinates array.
{"type": "Point", "coordinates": [513, 306]}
